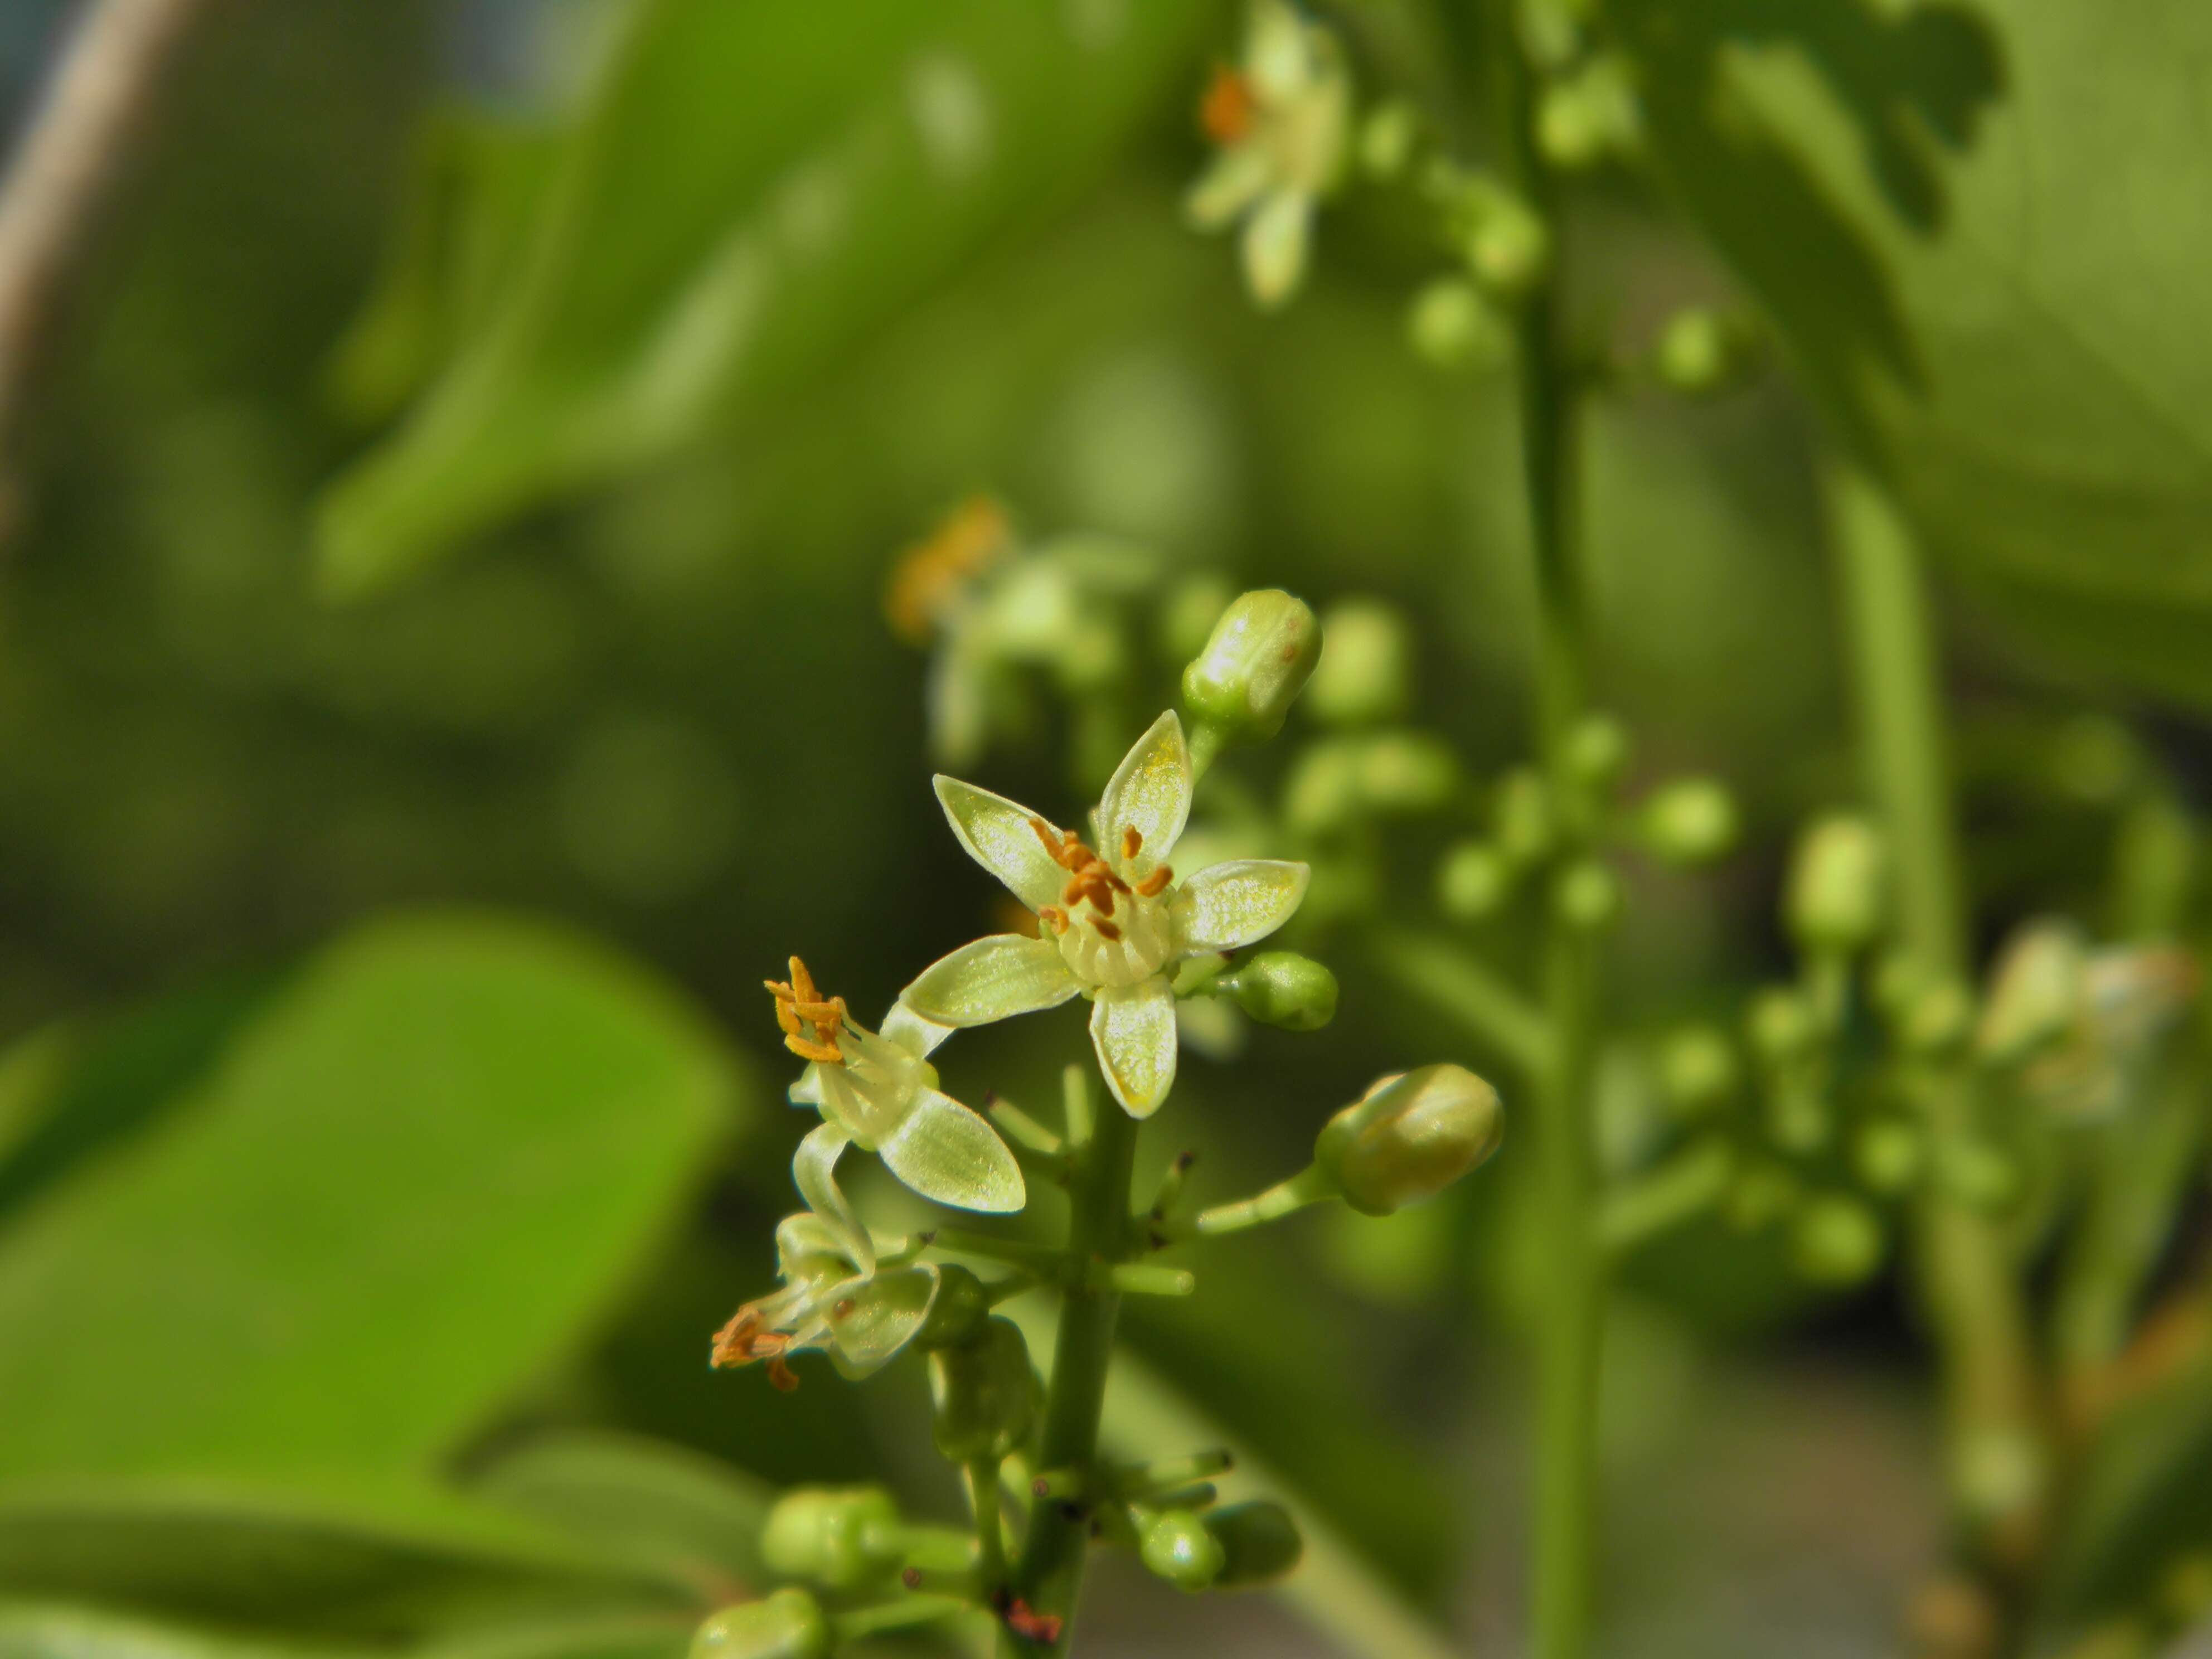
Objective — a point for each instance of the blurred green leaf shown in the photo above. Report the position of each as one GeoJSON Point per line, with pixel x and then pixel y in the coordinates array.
{"type": "Point", "coordinates": [2033, 377]}
{"type": "Point", "coordinates": [750, 187]}
{"type": "Point", "coordinates": [290, 1569]}
{"type": "Point", "coordinates": [35, 1629]}
{"type": "Point", "coordinates": [411, 1182]}
{"type": "Point", "coordinates": [639, 1500]}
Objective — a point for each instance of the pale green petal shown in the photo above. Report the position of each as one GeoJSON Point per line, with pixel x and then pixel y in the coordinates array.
{"type": "Point", "coordinates": [950, 1154]}
{"type": "Point", "coordinates": [867, 1332]}
{"type": "Point", "coordinates": [994, 978]}
{"type": "Point", "coordinates": [815, 1169]}
{"type": "Point", "coordinates": [999, 836]}
{"type": "Point", "coordinates": [1228, 905]}
{"type": "Point", "coordinates": [1236, 178]}
{"type": "Point", "coordinates": [1275, 246]}
{"type": "Point", "coordinates": [807, 1091]}
{"type": "Point", "coordinates": [1148, 793]}
{"type": "Point", "coordinates": [1133, 1029]}
{"type": "Point", "coordinates": [845, 1105]}
{"type": "Point", "coordinates": [1277, 56]}
{"type": "Point", "coordinates": [912, 1033]}
{"type": "Point", "coordinates": [958, 704]}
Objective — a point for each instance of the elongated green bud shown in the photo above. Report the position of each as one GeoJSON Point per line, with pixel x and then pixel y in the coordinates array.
{"type": "Point", "coordinates": [1281, 988]}
{"type": "Point", "coordinates": [983, 1394]}
{"type": "Point", "coordinates": [1409, 1137]}
{"type": "Point", "coordinates": [1260, 1543]}
{"type": "Point", "coordinates": [788, 1624]}
{"type": "Point", "coordinates": [1177, 1546]}
{"type": "Point", "coordinates": [1523, 816]}
{"type": "Point", "coordinates": [839, 1537]}
{"type": "Point", "coordinates": [1366, 674]}
{"type": "Point", "coordinates": [1254, 664]}
{"type": "Point", "coordinates": [1689, 822]}
{"type": "Point", "coordinates": [1836, 886]}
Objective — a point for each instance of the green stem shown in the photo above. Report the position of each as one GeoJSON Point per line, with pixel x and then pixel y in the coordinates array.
{"type": "Point", "coordinates": [1049, 1574]}
{"type": "Point", "coordinates": [1572, 1322]}
{"type": "Point", "coordinates": [1308, 1186]}
{"type": "Point", "coordinates": [981, 1478]}
{"type": "Point", "coordinates": [1995, 1427]}
{"type": "Point", "coordinates": [1682, 1188]}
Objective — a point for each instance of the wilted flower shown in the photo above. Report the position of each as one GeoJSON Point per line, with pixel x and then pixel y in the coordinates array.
{"type": "Point", "coordinates": [1281, 122]}
{"type": "Point", "coordinates": [1115, 924]}
{"type": "Point", "coordinates": [880, 1093]}
{"type": "Point", "coordinates": [2073, 1021]}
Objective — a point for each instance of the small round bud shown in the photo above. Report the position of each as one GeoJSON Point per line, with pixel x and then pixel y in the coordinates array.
{"type": "Point", "coordinates": [1836, 1241]}
{"type": "Point", "coordinates": [1701, 352]}
{"type": "Point", "coordinates": [1387, 140]}
{"type": "Point", "coordinates": [1177, 1546]}
{"type": "Point", "coordinates": [1260, 1543]}
{"type": "Point", "coordinates": [787, 1624]}
{"type": "Point", "coordinates": [841, 1537]}
{"type": "Point", "coordinates": [1188, 614]}
{"type": "Point", "coordinates": [1405, 771]}
{"type": "Point", "coordinates": [1323, 793]}
{"type": "Point", "coordinates": [1254, 664]}
{"type": "Point", "coordinates": [1409, 1137]}
{"type": "Point", "coordinates": [1597, 750]}
{"type": "Point", "coordinates": [1939, 1020]}
{"type": "Point", "coordinates": [1781, 1026]}
{"type": "Point", "coordinates": [1978, 1175]}
{"type": "Point", "coordinates": [1510, 247]}
{"type": "Point", "coordinates": [1836, 886]}
{"type": "Point", "coordinates": [956, 1312]}
{"type": "Point", "coordinates": [1473, 881]}
{"type": "Point", "coordinates": [1888, 1156]}
{"type": "Point", "coordinates": [1450, 325]}
{"type": "Point", "coordinates": [2036, 992]}
{"type": "Point", "coordinates": [1587, 894]}
{"type": "Point", "coordinates": [1366, 673]}
{"type": "Point", "coordinates": [1689, 822]}
{"type": "Point", "coordinates": [1521, 817]}
{"type": "Point", "coordinates": [1697, 1071]}
{"type": "Point", "coordinates": [1568, 129]}
{"type": "Point", "coordinates": [1281, 988]}
{"type": "Point", "coordinates": [1998, 1472]}
{"type": "Point", "coordinates": [983, 1394]}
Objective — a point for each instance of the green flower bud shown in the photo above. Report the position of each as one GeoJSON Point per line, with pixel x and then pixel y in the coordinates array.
{"type": "Point", "coordinates": [841, 1537]}
{"type": "Point", "coordinates": [1836, 1241]}
{"type": "Point", "coordinates": [1409, 1137]}
{"type": "Point", "coordinates": [788, 1624]}
{"type": "Point", "coordinates": [1260, 1543]}
{"type": "Point", "coordinates": [1473, 881]}
{"type": "Point", "coordinates": [1689, 822]}
{"type": "Point", "coordinates": [1836, 886]}
{"type": "Point", "coordinates": [1405, 771]}
{"type": "Point", "coordinates": [1366, 673]}
{"type": "Point", "coordinates": [1569, 129]}
{"type": "Point", "coordinates": [1701, 352]}
{"type": "Point", "coordinates": [1697, 1071]}
{"type": "Point", "coordinates": [956, 1312]}
{"type": "Point", "coordinates": [1450, 325]}
{"type": "Point", "coordinates": [1888, 1156]}
{"type": "Point", "coordinates": [1597, 749]}
{"type": "Point", "coordinates": [1281, 988]}
{"type": "Point", "coordinates": [1323, 792]}
{"type": "Point", "coordinates": [1387, 141]}
{"type": "Point", "coordinates": [1510, 247]}
{"type": "Point", "coordinates": [1254, 664]}
{"type": "Point", "coordinates": [1939, 1019]}
{"type": "Point", "coordinates": [2036, 992]}
{"type": "Point", "coordinates": [984, 1395]}
{"type": "Point", "coordinates": [1521, 817]}
{"type": "Point", "coordinates": [1587, 894]}
{"type": "Point", "coordinates": [1176, 1544]}
{"type": "Point", "coordinates": [1186, 616]}
{"type": "Point", "coordinates": [1782, 1026]}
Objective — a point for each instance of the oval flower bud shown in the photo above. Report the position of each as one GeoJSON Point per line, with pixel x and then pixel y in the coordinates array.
{"type": "Point", "coordinates": [1473, 881]}
{"type": "Point", "coordinates": [958, 1312]}
{"type": "Point", "coordinates": [1697, 1071]}
{"type": "Point", "coordinates": [1450, 324]}
{"type": "Point", "coordinates": [1836, 1241]}
{"type": "Point", "coordinates": [1689, 822]}
{"type": "Point", "coordinates": [1177, 1546]}
{"type": "Point", "coordinates": [1835, 900]}
{"type": "Point", "coordinates": [788, 1624]}
{"type": "Point", "coordinates": [1260, 1543]}
{"type": "Point", "coordinates": [1254, 664]}
{"type": "Point", "coordinates": [1281, 988]}
{"type": "Point", "coordinates": [841, 1537]}
{"type": "Point", "coordinates": [1366, 673]}
{"type": "Point", "coordinates": [983, 1394]}
{"type": "Point", "coordinates": [1409, 1137]}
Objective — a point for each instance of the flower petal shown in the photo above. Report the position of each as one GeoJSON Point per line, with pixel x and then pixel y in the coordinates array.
{"type": "Point", "coordinates": [807, 1091]}
{"type": "Point", "coordinates": [912, 1033]}
{"type": "Point", "coordinates": [814, 1167]}
{"type": "Point", "coordinates": [1274, 245]}
{"type": "Point", "coordinates": [1150, 793]}
{"type": "Point", "coordinates": [1237, 177]}
{"type": "Point", "coordinates": [953, 1155]}
{"type": "Point", "coordinates": [994, 978]}
{"type": "Point", "coordinates": [1133, 1029]}
{"type": "Point", "coordinates": [1277, 53]}
{"type": "Point", "coordinates": [1228, 905]}
{"type": "Point", "coordinates": [998, 834]}
{"type": "Point", "coordinates": [880, 1318]}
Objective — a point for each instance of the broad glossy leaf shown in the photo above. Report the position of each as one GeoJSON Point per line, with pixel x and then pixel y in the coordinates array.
{"type": "Point", "coordinates": [2013, 334]}
{"type": "Point", "coordinates": [407, 1184]}
{"type": "Point", "coordinates": [748, 188]}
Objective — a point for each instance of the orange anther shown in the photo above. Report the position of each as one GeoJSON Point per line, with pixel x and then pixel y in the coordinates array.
{"type": "Point", "coordinates": [1156, 884]}
{"type": "Point", "coordinates": [1132, 841]}
{"type": "Point", "coordinates": [1225, 112]}
{"type": "Point", "coordinates": [1107, 929]}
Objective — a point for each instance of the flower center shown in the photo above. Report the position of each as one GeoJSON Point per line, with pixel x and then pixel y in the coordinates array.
{"type": "Point", "coordinates": [1112, 932]}
{"type": "Point", "coordinates": [811, 1022]}
{"type": "Point", "coordinates": [1225, 112]}
{"type": "Point", "coordinates": [928, 574]}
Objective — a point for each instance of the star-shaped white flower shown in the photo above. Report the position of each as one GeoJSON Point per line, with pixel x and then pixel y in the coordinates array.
{"type": "Point", "coordinates": [1281, 122]}
{"type": "Point", "coordinates": [879, 1091]}
{"type": "Point", "coordinates": [1115, 923]}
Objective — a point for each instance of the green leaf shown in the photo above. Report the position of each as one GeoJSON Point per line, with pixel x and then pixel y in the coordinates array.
{"type": "Point", "coordinates": [749, 189]}
{"type": "Point", "coordinates": [35, 1629]}
{"type": "Point", "coordinates": [2033, 379]}
{"type": "Point", "coordinates": [409, 1183]}
{"type": "Point", "coordinates": [287, 1568]}
{"type": "Point", "coordinates": [643, 1501]}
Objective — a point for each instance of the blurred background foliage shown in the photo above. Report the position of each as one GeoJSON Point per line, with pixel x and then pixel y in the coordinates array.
{"type": "Point", "coordinates": [604, 356]}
